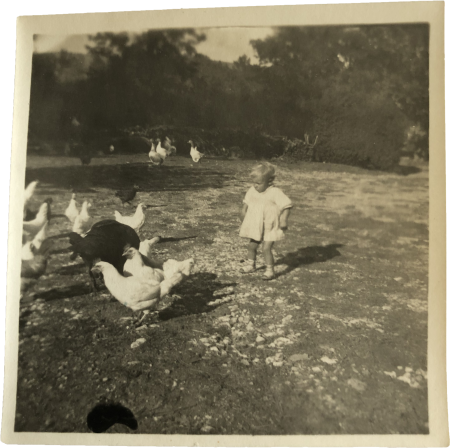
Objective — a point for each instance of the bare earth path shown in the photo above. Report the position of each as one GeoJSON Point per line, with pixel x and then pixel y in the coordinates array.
{"type": "Point", "coordinates": [337, 344]}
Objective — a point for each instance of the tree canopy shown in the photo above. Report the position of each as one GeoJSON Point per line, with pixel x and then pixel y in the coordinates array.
{"type": "Point", "coordinates": [329, 80]}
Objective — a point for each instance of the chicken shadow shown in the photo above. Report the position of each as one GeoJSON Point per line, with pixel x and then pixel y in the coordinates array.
{"type": "Point", "coordinates": [73, 269]}
{"type": "Point", "coordinates": [59, 236]}
{"type": "Point", "coordinates": [308, 255]}
{"type": "Point", "coordinates": [65, 292]}
{"type": "Point", "coordinates": [197, 292]}
{"type": "Point", "coordinates": [171, 239]}
{"type": "Point", "coordinates": [64, 250]}
{"type": "Point", "coordinates": [123, 176]}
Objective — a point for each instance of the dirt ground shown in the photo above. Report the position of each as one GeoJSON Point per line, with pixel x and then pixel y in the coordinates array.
{"type": "Point", "coordinates": [336, 344]}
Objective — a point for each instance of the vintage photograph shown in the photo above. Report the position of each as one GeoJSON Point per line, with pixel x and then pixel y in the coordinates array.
{"type": "Point", "coordinates": [226, 231]}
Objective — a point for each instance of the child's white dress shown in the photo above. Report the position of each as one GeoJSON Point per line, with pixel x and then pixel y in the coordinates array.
{"type": "Point", "coordinates": [262, 220]}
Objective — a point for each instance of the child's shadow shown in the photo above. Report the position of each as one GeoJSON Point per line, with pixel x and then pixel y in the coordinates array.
{"type": "Point", "coordinates": [308, 255]}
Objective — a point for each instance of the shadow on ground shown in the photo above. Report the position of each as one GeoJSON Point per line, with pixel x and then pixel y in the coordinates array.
{"type": "Point", "coordinates": [308, 255]}
{"type": "Point", "coordinates": [65, 292]}
{"type": "Point", "coordinates": [59, 236]}
{"type": "Point", "coordinates": [73, 269]}
{"type": "Point", "coordinates": [405, 170]}
{"type": "Point", "coordinates": [172, 239]}
{"type": "Point", "coordinates": [87, 178]}
{"type": "Point", "coordinates": [198, 291]}
{"type": "Point", "coordinates": [64, 250]}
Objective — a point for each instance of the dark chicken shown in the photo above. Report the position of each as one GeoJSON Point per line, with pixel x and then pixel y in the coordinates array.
{"type": "Point", "coordinates": [85, 158]}
{"type": "Point", "coordinates": [126, 196]}
{"type": "Point", "coordinates": [105, 241]}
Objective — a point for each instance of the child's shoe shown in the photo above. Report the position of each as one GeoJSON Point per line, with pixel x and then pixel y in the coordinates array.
{"type": "Point", "coordinates": [248, 267]}
{"type": "Point", "coordinates": [269, 274]}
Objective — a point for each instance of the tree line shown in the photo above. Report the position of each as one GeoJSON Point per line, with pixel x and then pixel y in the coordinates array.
{"type": "Point", "coordinates": [363, 90]}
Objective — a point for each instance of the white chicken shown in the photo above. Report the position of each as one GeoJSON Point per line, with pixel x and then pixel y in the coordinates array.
{"type": "Point", "coordinates": [160, 150]}
{"type": "Point", "coordinates": [155, 158]}
{"type": "Point", "coordinates": [31, 228]}
{"type": "Point", "coordinates": [140, 266]}
{"type": "Point", "coordinates": [83, 222]}
{"type": "Point", "coordinates": [29, 191]}
{"type": "Point", "coordinates": [172, 267]}
{"type": "Point", "coordinates": [147, 269]}
{"type": "Point", "coordinates": [132, 291]}
{"type": "Point", "coordinates": [146, 246]}
{"type": "Point", "coordinates": [27, 251]}
{"type": "Point", "coordinates": [136, 221]}
{"type": "Point", "coordinates": [35, 267]}
{"type": "Point", "coordinates": [30, 247]}
{"type": "Point", "coordinates": [72, 210]}
{"type": "Point", "coordinates": [195, 153]}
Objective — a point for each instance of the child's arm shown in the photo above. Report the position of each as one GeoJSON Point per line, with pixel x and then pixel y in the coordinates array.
{"type": "Point", "coordinates": [284, 218]}
{"type": "Point", "coordinates": [244, 211]}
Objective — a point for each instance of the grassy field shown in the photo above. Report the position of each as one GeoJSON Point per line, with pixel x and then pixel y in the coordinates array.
{"type": "Point", "coordinates": [336, 344]}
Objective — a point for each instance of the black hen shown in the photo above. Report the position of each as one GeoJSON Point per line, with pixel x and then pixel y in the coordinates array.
{"type": "Point", "coordinates": [127, 195]}
{"type": "Point", "coordinates": [85, 158]}
{"type": "Point", "coordinates": [105, 241]}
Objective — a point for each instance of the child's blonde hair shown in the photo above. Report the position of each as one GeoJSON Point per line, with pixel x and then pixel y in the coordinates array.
{"type": "Point", "coordinates": [264, 169]}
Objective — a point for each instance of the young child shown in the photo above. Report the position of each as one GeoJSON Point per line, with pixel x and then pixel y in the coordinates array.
{"type": "Point", "coordinates": [264, 217]}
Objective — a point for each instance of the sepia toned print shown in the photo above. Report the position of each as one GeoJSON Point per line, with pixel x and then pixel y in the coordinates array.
{"type": "Point", "coordinates": [226, 232]}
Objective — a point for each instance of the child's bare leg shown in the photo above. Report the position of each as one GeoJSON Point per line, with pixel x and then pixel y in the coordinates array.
{"type": "Point", "coordinates": [251, 249]}
{"type": "Point", "coordinates": [268, 258]}
{"type": "Point", "coordinates": [249, 266]}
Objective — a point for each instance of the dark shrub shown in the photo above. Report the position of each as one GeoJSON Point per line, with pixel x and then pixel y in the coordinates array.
{"type": "Point", "coordinates": [359, 128]}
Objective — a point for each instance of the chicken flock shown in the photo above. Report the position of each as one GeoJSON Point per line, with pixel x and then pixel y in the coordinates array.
{"type": "Point", "coordinates": [110, 248]}
{"type": "Point", "coordinates": [159, 151]}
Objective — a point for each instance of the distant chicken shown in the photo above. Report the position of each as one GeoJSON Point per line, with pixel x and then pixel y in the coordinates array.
{"type": "Point", "coordinates": [83, 222]}
{"type": "Point", "coordinates": [34, 267]}
{"type": "Point", "coordinates": [140, 266]}
{"type": "Point", "coordinates": [195, 154]}
{"type": "Point", "coordinates": [85, 158]}
{"type": "Point", "coordinates": [136, 221]}
{"type": "Point", "coordinates": [167, 145]}
{"type": "Point", "coordinates": [155, 158]}
{"type": "Point", "coordinates": [72, 210]}
{"type": "Point", "coordinates": [106, 241]}
{"type": "Point", "coordinates": [134, 292]}
{"type": "Point", "coordinates": [126, 196]}
{"type": "Point", "coordinates": [31, 228]}
{"type": "Point", "coordinates": [160, 150]}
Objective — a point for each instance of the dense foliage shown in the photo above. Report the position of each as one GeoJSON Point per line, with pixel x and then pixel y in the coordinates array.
{"type": "Point", "coordinates": [361, 90]}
